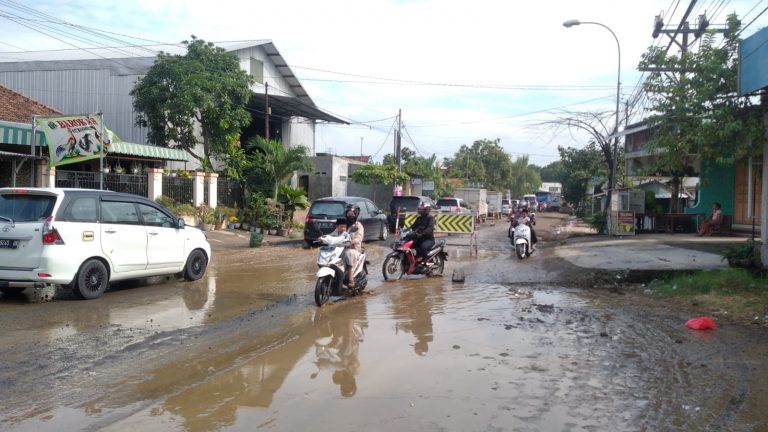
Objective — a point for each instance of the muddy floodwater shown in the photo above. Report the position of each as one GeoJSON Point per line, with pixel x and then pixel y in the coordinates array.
{"type": "Point", "coordinates": [515, 347]}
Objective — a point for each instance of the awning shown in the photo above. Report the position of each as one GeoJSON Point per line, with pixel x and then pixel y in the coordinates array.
{"type": "Point", "coordinates": [148, 151]}
{"type": "Point", "coordinates": [19, 133]}
{"type": "Point", "coordinates": [286, 107]}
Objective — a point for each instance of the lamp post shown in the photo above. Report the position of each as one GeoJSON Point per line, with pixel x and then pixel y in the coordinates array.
{"type": "Point", "coordinates": [574, 22]}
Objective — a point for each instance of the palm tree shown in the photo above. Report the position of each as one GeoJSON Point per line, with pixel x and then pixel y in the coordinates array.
{"type": "Point", "coordinates": [278, 162]}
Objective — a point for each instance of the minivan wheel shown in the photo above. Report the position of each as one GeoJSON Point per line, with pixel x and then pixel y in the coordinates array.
{"type": "Point", "coordinates": [196, 264]}
{"type": "Point", "coordinates": [92, 280]}
{"type": "Point", "coordinates": [384, 232]}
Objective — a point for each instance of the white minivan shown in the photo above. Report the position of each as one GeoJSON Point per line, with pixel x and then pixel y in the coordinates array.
{"type": "Point", "coordinates": [84, 239]}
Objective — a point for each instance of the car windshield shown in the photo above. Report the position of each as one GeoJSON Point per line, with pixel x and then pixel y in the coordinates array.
{"type": "Point", "coordinates": [327, 209]}
{"type": "Point", "coordinates": [25, 208]}
{"type": "Point", "coordinates": [444, 202]}
{"type": "Point", "coordinates": [407, 203]}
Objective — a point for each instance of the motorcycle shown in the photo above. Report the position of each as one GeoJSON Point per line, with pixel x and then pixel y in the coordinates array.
{"type": "Point", "coordinates": [521, 240]}
{"type": "Point", "coordinates": [330, 273]}
{"type": "Point", "coordinates": [402, 260]}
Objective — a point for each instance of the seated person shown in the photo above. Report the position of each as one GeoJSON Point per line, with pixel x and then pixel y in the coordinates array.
{"type": "Point", "coordinates": [708, 226]}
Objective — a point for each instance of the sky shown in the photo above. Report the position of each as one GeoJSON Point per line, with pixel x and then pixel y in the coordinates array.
{"type": "Point", "coordinates": [459, 70]}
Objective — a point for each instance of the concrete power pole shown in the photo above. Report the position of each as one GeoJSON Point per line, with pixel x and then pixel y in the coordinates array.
{"type": "Point", "coordinates": [266, 110]}
{"type": "Point", "coordinates": [398, 138]}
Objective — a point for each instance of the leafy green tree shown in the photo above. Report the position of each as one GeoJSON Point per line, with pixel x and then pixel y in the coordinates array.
{"type": "Point", "coordinates": [698, 111]}
{"type": "Point", "coordinates": [552, 172]}
{"type": "Point", "coordinates": [485, 162]}
{"type": "Point", "coordinates": [204, 88]}
{"type": "Point", "coordinates": [577, 167]}
{"type": "Point", "coordinates": [379, 174]}
{"type": "Point", "coordinates": [271, 159]}
{"type": "Point", "coordinates": [525, 178]}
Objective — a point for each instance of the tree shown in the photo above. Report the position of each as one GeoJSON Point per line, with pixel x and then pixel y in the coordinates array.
{"type": "Point", "coordinates": [525, 178]}
{"type": "Point", "coordinates": [205, 89]}
{"type": "Point", "coordinates": [698, 112]}
{"type": "Point", "coordinates": [379, 174]}
{"type": "Point", "coordinates": [577, 167]}
{"type": "Point", "coordinates": [486, 162]}
{"type": "Point", "coordinates": [598, 126]}
{"type": "Point", "coordinates": [552, 172]}
{"type": "Point", "coordinates": [275, 161]}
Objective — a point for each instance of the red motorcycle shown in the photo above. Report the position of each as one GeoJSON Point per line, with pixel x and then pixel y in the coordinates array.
{"type": "Point", "coordinates": [402, 260]}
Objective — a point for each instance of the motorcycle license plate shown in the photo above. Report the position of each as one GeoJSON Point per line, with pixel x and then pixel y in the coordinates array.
{"type": "Point", "coordinates": [9, 244]}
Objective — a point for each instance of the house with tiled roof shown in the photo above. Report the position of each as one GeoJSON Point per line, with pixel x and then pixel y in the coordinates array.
{"type": "Point", "coordinates": [16, 155]}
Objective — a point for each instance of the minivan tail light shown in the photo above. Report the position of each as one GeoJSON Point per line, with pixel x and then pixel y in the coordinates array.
{"type": "Point", "coordinates": [50, 234]}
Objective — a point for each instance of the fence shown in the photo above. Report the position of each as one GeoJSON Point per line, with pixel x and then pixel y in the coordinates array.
{"type": "Point", "coordinates": [229, 193]}
{"type": "Point", "coordinates": [178, 188]}
{"type": "Point", "coordinates": [128, 183]}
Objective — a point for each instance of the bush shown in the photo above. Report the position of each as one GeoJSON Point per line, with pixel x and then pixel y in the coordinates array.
{"type": "Point", "coordinates": [746, 255]}
{"type": "Point", "coordinates": [599, 221]}
{"type": "Point", "coordinates": [166, 202]}
{"type": "Point", "coordinates": [183, 210]}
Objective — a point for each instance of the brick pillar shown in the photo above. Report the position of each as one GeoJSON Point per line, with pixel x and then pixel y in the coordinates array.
{"type": "Point", "coordinates": [198, 183]}
{"type": "Point", "coordinates": [154, 183]}
{"type": "Point", "coordinates": [213, 187]}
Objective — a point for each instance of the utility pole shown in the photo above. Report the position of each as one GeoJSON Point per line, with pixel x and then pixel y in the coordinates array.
{"type": "Point", "coordinates": [361, 148]}
{"type": "Point", "coordinates": [397, 138]}
{"type": "Point", "coordinates": [684, 30]}
{"type": "Point", "coordinates": [266, 110]}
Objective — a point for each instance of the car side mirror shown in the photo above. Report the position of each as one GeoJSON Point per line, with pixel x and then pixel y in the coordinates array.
{"type": "Point", "coordinates": [180, 223]}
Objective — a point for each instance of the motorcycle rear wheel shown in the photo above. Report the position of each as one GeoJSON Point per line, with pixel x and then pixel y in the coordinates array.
{"type": "Point", "coordinates": [520, 250]}
{"type": "Point", "coordinates": [323, 290]}
{"type": "Point", "coordinates": [393, 267]}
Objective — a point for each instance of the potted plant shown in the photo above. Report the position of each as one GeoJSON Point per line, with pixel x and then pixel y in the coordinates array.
{"type": "Point", "coordinates": [119, 169]}
{"type": "Point", "coordinates": [233, 222]}
{"type": "Point", "coordinates": [207, 217]}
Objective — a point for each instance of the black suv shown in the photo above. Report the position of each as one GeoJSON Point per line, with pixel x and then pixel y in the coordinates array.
{"type": "Point", "coordinates": [406, 204]}
{"type": "Point", "coordinates": [322, 215]}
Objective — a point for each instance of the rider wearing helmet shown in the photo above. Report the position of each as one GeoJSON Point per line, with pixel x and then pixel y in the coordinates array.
{"type": "Point", "coordinates": [423, 230]}
{"type": "Point", "coordinates": [356, 233]}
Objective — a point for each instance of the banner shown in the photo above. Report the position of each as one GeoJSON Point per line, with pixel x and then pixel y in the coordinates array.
{"type": "Point", "coordinates": [74, 138]}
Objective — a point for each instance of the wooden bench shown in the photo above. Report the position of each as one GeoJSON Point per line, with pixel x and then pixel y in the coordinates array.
{"type": "Point", "coordinates": [725, 227]}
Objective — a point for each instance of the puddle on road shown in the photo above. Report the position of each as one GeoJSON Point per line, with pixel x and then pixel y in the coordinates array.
{"type": "Point", "coordinates": [422, 352]}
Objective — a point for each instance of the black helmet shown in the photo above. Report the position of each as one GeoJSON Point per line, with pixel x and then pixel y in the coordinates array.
{"type": "Point", "coordinates": [424, 208]}
{"type": "Point", "coordinates": [352, 219]}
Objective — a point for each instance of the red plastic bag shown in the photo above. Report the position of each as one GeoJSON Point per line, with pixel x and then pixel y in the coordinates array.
{"type": "Point", "coordinates": [701, 323]}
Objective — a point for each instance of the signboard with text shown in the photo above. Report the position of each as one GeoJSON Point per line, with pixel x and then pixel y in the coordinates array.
{"type": "Point", "coordinates": [73, 138]}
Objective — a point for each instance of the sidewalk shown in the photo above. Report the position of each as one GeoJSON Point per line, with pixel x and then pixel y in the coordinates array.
{"type": "Point", "coordinates": [238, 239]}
{"type": "Point", "coordinates": [644, 251]}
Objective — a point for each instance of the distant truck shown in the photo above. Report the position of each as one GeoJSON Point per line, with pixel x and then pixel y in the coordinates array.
{"type": "Point", "coordinates": [477, 199]}
{"type": "Point", "coordinates": [494, 203]}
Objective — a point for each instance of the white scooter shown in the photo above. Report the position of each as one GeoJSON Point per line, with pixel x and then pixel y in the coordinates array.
{"type": "Point", "coordinates": [521, 240]}
{"type": "Point", "coordinates": [330, 273]}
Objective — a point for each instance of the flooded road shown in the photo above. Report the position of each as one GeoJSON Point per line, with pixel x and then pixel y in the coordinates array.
{"type": "Point", "coordinates": [513, 348]}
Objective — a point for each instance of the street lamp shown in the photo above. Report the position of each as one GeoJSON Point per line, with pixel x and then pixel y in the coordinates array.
{"type": "Point", "coordinates": [574, 22]}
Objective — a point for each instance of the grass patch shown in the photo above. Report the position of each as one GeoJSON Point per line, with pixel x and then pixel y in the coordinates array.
{"type": "Point", "coordinates": [734, 291]}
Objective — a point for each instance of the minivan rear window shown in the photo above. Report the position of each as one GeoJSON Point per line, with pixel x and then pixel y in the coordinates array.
{"type": "Point", "coordinates": [26, 207]}
{"type": "Point", "coordinates": [446, 203]}
{"type": "Point", "coordinates": [405, 204]}
{"type": "Point", "coordinates": [327, 210]}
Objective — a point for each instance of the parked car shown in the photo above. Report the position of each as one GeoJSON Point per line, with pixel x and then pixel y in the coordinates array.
{"type": "Point", "coordinates": [322, 215]}
{"type": "Point", "coordinates": [86, 239]}
{"type": "Point", "coordinates": [453, 205]}
{"type": "Point", "coordinates": [506, 207]}
{"type": "Point", "coordinates": [406, 204]}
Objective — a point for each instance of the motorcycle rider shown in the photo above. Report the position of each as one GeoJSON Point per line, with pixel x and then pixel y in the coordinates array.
{"type": "Point", "coordinates": [355, 249]}
{"type": "Point", "coordinates": [525, 219]}
{"type": "Point", "coordinates": [341, 228]}
{"type": "Point", "coordinates": [423, 231]}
